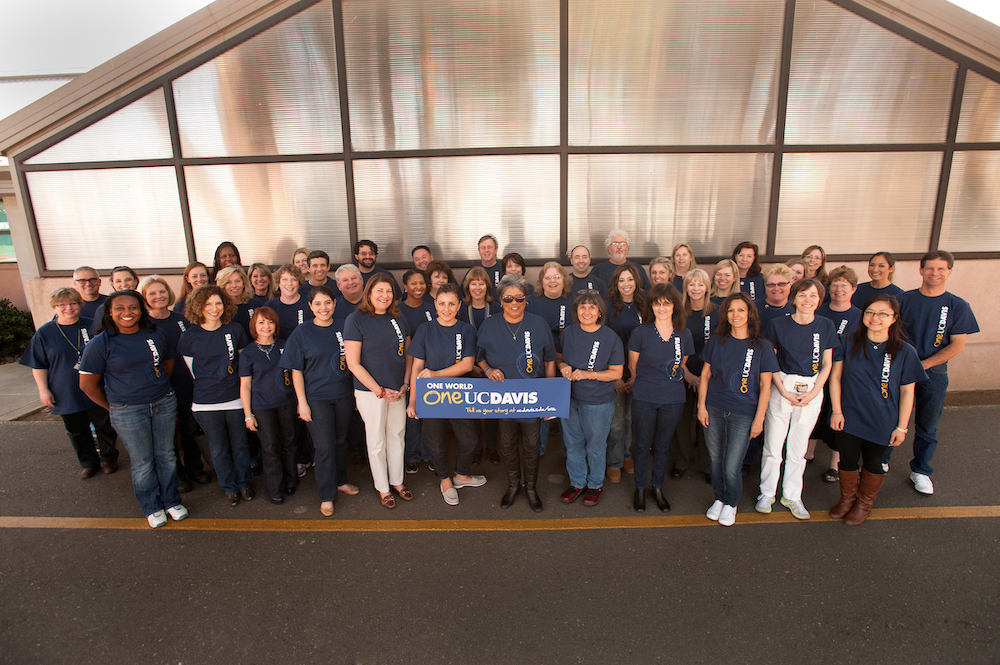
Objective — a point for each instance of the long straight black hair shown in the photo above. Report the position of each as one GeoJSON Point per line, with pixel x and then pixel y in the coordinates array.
{"type": "Point", "coordinates": [896, 338]}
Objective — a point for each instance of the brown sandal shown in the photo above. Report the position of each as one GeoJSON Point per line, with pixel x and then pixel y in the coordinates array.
{"type": "Point", "coordinates": [389, 501]}
{"type": "Point", "coordinates": [404, 493]}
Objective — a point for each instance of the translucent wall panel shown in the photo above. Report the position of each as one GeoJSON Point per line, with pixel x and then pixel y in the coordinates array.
{"type": "Point", "coordinates": [855, 82]}
{"type": "Point", "coordinates": [980, 118]}
{"type": "Point", "coordinates": [268, 210]}
{"type": "Point", "coordinates": [275, 94]}
{"type": "Point", "coordinates": [109, 217]}
{"type": "Point", "coordinates": [648, 72]}
{"type": "Point", "coordinates": [452, 73]}
{"type": "Point", "coordinates": [711, 202]}
{"type": "Point", "coordinates": [136, 131]}
{"type": "Point", "coordinates": [857, 203]}
{"type": "Point", "coordinates": [972, 214]}
{"type": "Point", "coordinates": [448, 203]}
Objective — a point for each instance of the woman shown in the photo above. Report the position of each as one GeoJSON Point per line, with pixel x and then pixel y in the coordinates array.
{"type": "Point", "coordinates": [54, 358]}
{"type": "Point", "coordinates": [417, 310]}
{"type": "Point", "coordinates": [815, 258]}
{"type": "Point", "coordinates": [700, 319]}
{"type": "Point", "coordinates": [210, 348]}
{"type": "Point", "coordinates": [513, 264]}
{"type": "Point", "coordinates": [732, 398]}
{"type": "Point", "coordinates": [871, 390]}
{"type": "Point", "coordinates": [375, 341]}
{"type": "Point", "coordinates": [438, 273]}
{"type": "Point", "coordinates": [624, 307]}
{"type": "Point", "coordinates": [684, 261]}
{"type": "Point", "coordinates": [226, 256]}
{"type": "Point", "coordinates": [446, 348]}
{"type": "Point", "coordinates": [657, 354]}
{"type": "Point", "coordinates": [195, 275]}
{"type": "Point", "coordinates": [593, 358]}
{"type": "Point", "coordinates": [300, 259]}
{"type": "Point", "coordinates": [799, 268]}
{"type": "Point", "coordinates": [552, 297]}
{"type": "Point", "coordinates": [158, 295]}
{"type": "Point", "coordinates": [126, 370]}
{"type": "Point", "coordinates": [123, 278]}
{"type": "Point", "coordinates": [745, 255]}
{"type": "Point", "coordinates": [661, 270]}
{"type": "Point", "coordinates": [477, 306]}
{"type": "Point", "coordinates": [291, 307]}
{"type": "Point", "coordinates": [316, 355]}
{"type": "Point", "coordinates": [517, 345]}
{"type": "Point", "coordinates": [268, 399]}
{"type": "Point", "coordinates": [261, 285]}
{"type": "Point", "coordinates": [804, 344]}
{"type": "Point", "coordinates": [881, 269]}
{"type": "Point", "coordinates": [236, 285]}
{"type": "Point", "coordinates": [724, 281]}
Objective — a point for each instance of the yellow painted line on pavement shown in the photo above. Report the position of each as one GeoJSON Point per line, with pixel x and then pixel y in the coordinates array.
{"type": "Point", "coordinates": [404, 525]}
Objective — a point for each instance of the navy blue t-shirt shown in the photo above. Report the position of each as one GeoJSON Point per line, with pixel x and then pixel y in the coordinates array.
{"type": "Point", "coordinates": [592, 351]}
{"type": "Point", "coordinates": [495, 272]}
{"type": "Point", "coordinates": [255, 302]}
{"type": "Point", "coordinates": [800, 347]}
{"type": "Point", "coordinates": [768, 312]}
{"type": "Point", "coordinates": [270, 385]}
{"type": "Point", "coordinates": [556, 312]}
{"type": "Point", "coordinates": [844, 322]}
{"type": "Point", "coordinates": [518, 350]}
{"type": "Point", "coordinates": [701, 328]}
{"type": "Point", "coordinates": [659, 373]}
{"type": "Point", "coordinates": [754, 287]}
{"type": "Point", "coordinates": [132, 365]}
{"type": "Point", "coordinates": [606, 271]}
{"type": "Point", "coordinates": [365, 276]}
{"type": "Point", "coordinates": [57, 349]}
{"type": "Point", "coordinates": [417, 316]}
{"type": "Point", "coordinates": [591, 281]}
{"type": "Point", "coordinates": [291, 316]}
{"type": "Point", "coordinates": [869, 390]}
{"type": "Point", "coordinates": [173, 327]}
{"type": "Point", "coordinates": [470, 314]}
{"type": "Point", "coordinates": [215, 363]}
{"type": "Point", "coordinates": [88, 309]}
{"type": "Point", "coordinates": [383, 347]}
{"type": "Point", "coordinates": [307, 288]}
{"type": "Point", "coordinates": [930, 322]}
{"type": "Point", "coordinates": [242, 317]}
{"type": "Point", "coordinates": [179, 306]}
{"type": "Point", "coordinates": [625, 321]}
{"type": "Point", "coordinates": [95, 321]}
{"type": "Point", "coordinates": [866, 291]}
{"type": "Point", "coordinates": [318, 352]}
{"type": "Point", "coordinates": [736, 368]}
{"type": "Point", "coordinates": [441, 347]}
{"type": "Point", "coordinates": [342, 309]}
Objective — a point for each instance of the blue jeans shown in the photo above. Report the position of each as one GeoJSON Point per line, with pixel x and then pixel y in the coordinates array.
{"type": "Point", "coordinates": [585, 440]}
{"type": "Point", "coordinates": [654, 426]}
{"type": "Point", "coordinates": [331, 420]}
{"type": "Point", "coordinates": [620, 436]}
{"type": "Point", "coordinates": [227, 440]}
{"type": "Point", "coordinates": [727, 437]}
{"type": "Point", "coordinates": [147, 430]}
{"type": "Point", "coordinates": [928, 405]}
{"type": "Point", "coordinates": [415, 446]}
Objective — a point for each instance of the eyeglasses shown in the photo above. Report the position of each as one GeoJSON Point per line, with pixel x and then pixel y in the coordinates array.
{"type": "Point", "coordinates": [779, 285]}
{"type": "Point", "coordinates": [582, 292]}
{"type": "Point", "coordinates": [881, 315]}
{"type": "Point", "coordinates": [509, 299]}
{"type": "Point", "coordinates": [619, 243]}
{"type": "Point", "coordinates": [88, 280]}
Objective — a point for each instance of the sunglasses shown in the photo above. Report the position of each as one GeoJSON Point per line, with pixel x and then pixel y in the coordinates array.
{"type": "Point", "coordinates": [509, 299]}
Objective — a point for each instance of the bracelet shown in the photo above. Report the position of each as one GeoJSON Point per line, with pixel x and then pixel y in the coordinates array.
{"type": "Point", "coordinates": [249, 418]}
{"type": "Point", "coordinates": [382, 393]}
{"type": "Point", "coordinates": [838, 414]}
{"type": "Point", "coordinates": [904, 431]}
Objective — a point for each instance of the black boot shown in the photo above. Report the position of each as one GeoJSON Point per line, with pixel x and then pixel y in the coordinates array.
{"type": "Point", "coordinates": [533, 500]}
{"type": "Point", "coordinates": [639, 500]}
{"type": "Point", "coordinates": [508, 499]}
{"type": "Point", "coordinates": [661, 501]}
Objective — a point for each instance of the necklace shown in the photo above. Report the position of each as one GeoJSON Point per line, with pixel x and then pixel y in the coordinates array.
{"type": "Point", "coordinates": [513, 333]}
{"type": "Point", "coordinates": [266, 351]}
{"type": "Point", "coordinates": [76, 347]}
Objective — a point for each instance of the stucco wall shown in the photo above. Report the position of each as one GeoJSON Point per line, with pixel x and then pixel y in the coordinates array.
{"type": "Point", "coordinates": [11, 287]}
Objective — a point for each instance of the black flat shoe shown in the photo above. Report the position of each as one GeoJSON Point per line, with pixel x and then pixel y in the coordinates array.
{"type": "Point", "coordinates": [661, 501]}
{"type": "Point", "coordinates": [277, 500]}
{"type": "Point", "coordinates": [477, 457]}
{"type": "Point", "coordinates": [508, 499]}
{"type": "Point", "coordinates": [290, 490]}
{"type": "Point", "coordinates": [639, 501]}
{"type": "Point", "coordinates": [494, 456]}
{"type": "Point", "coordinates": [184, 485]}
{"type": "Point", "coordinates": [676, 473]}
{"type": "Point", "coordinates": [533, 500]}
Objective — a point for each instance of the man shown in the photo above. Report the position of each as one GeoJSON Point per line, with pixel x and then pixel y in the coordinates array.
{"type": "Point", "coordinates": [617, 246]}
{"type": "Point", "coordinates": [937, 323]}
{"type": "Point", "coordinates": [777, 286]}
{"type": "Point", "coordinates": [583, 276]}
{"type": "Point", "coordinates": [319, 265]}
{"type": "Point", "coordinates": [88, 282]}
{"type": "Point", "coordinates": [421, 255]}
{"type": "Point", "coordinates": [488, 246]}
{"type": "Point", "coordinates": [365, 254]}
{"type": "Point", "coordinates": [352, 287]}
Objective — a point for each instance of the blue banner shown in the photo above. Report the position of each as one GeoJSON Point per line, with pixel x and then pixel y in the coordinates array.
{"type": "Point", "coordinates": [483, 398]}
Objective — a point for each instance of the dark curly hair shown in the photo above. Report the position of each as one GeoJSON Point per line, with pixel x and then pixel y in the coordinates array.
{"type": "Point", "coordinates": [194, 309]}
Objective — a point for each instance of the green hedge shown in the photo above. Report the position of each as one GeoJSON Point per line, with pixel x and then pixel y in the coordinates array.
{"type": "Point", "coordinates": [16, 329]}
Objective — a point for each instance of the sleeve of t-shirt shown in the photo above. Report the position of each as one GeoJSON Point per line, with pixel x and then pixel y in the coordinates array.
{"type": "Point", "coordinates": [635, 340]}
{"type": "Point", "coordinates": [35, 357]}
{"type": "Point", "coordinates": [95, 354]}
{"type": "Point", "coordinates": [708, 352]}
{"type": "Point", "coordinates": [768, 332]}
{"type": "Point", "coordinates": [687, 342]}
{"type": "Point", "coordinates": [403, 325]}
{"type": "Point", "coordinates": [768, 357]}
{"type": "Point", "coordinates": [965, 320]}
{"type": "Point", "coordinates": [913, 369]}
{"type": "Point", "coordinates": [246, 369]}
{"type": "Point", "coordinates": [184, 344]}
{"type": "Point", "coordinates": [242, 338]}
{"type": "Point", "coordinates": [469, 349]}
{"type": "Point", "coordinates": [352, 327]}
{"type": "Point", "coordinates": [417, 344]}
{"type": "Point", "coordinates": [292, 357]}
{"type": "Point", "coordinates": [617, 356]}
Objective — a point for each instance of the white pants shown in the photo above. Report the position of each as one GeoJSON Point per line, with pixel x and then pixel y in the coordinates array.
{"type": "Point", "coordinates": [384, 426]}
{"type": "Point", "coordinates": [796, 423]}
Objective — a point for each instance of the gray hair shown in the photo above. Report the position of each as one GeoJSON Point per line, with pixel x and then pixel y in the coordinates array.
{"type": "Point", "coordinates": [508, 282]}
{"type": "Point", "coordinates": [347, 267]}
{"type": "Point", "coordinates": [87, 268]}
{"type": "Point", "coordinates": [615, 232]}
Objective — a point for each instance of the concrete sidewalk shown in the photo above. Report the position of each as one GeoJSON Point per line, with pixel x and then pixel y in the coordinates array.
{"type": "Point", "coordinates": [18, 393]}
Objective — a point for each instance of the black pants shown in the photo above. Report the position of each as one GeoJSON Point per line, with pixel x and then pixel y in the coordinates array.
{"type": "Point", "coordinates": [852, 448]}
{"type": "Point", "coordinates": [488, 433]}
{"type": "Point", "coordinates": [190, 462]}
{"type": "Point", "coordinates": [507, 448]}
{"type": "Point", "coordinates": [78, 429]}
{"type": "Point", "coordinates": [467, 433]}
{"type": "Point", "coordinates": [276, 431]}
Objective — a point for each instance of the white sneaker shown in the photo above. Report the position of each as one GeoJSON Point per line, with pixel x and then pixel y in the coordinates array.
{"type": "Point", "coordinates": [450, 496]}
{"type": "Point", "coordinates": [157, 519]}
{"type": "Point", "coordinates": [728, 516]}
{"type": "Point", "coordinates": [177, 513]}
{"type": "Point", "coordinates": [764, 504]}
{"type": "Point", "coordinates": [475, 481]}
{"type": "Point", "coordinates": [301, 469]}
{"type": "Point", "coordinates": [885, 467]}
{"type": "Point", "coordinates": [922, 483]}
{"type": "Point", "coordinates": [797, 507]}
{"type": "Point", "coordinates": [713, 512]}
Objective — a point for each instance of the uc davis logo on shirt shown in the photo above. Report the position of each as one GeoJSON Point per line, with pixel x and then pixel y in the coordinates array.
{"type": "Point", "coordinates": [156, 357]}
{"type": "Point", "coordinates": [401, 345]}
{"type": "Point", "coordinates": [745, 377]}
{"type": "Point", "coordinates": [459, 342]}
{"type": "Point", "coordinates": [816, 353]}
{"type": "Point", "coordinates": [886, 368]}
{"type": "Point", "coordinates": [942, 326]}
{"type": "Point", "coordinates": [675, 373]}
{"type": "Point", "coordinates": [342, 356]}
{"type": "Point", "coordinates": [529, 359]}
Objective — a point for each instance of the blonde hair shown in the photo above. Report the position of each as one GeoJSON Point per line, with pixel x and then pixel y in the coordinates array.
{"type": "Point", "coordinates": [567, 282]}
{"type": "Point", "coordinates": [726, 263]}
{"type": "Point", "coordinates": [226, 273]}
{"type": "Point", "coordinates": [151, 279]}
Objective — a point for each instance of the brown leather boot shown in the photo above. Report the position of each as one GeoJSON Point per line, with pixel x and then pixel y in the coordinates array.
{"type": "Point", "coordinates": [867, 491]}
{"type": "Point", "coordinates": [848, 492]}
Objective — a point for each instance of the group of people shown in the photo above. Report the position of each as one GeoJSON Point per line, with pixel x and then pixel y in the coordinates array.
{"type": "Point", "coordinates": [289, 368]}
